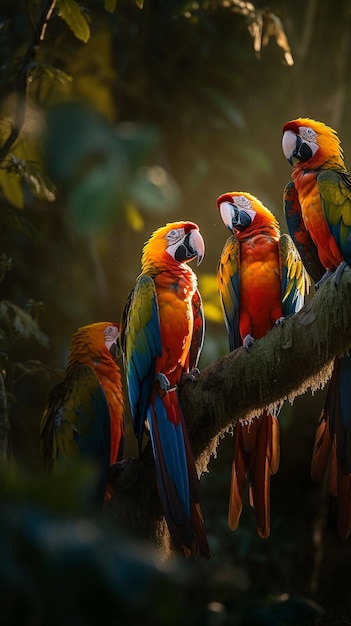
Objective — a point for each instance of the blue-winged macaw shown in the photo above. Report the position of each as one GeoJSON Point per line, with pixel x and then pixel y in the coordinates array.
{"type": "Point", "coordinates": [84, 417]}
{"type": "Point", "coordinates": [320, 194]}
{"type": "Point", "coordinates": [162, 335]}
{"type": "Point", "coordinates": [261, 280]}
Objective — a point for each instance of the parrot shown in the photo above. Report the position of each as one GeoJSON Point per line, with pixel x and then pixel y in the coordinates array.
{"type": "Point", "coordinates": [162, 334]}
{"type": "Point", "coordinates": [320, 192]}
{"type": "Point", "coordinates": [261, 280]}
{"type": "Point", "coordinates": [85, 413]}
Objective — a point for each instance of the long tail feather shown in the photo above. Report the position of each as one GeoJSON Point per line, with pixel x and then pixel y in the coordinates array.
{"type": "Point", "coordinates": [333, 442]}
{"type": "Point", "coordinates": [177, 478]}
{"type": "Point", "coordinates": [263, 464]}
{"type": "Point", "coordinates": [321, 448]}
{"type": "Point", "coordinates": [256, 455]}
{"type": "Point", "coordinates": [238, 480]}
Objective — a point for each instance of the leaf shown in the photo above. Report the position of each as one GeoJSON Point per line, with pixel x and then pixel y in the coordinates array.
{"type": "Point", "coordinates": [154, 190]}
{"type": "Point", "coordinates": [23, 324]}
{"type": "Point", "coordinates": [224, 105]}
{"type": "Point", "coordinates": [70, 12]}
{"type": "Point", "coordinates": [209, 292]}
{"type": "Point", "coordinates": [110, 5]}
{"type": "Point", "coordinates": [134, 217]}
{"type": "Point", "coordinates": [11, 186]}
{"type": "Point", "coordinates": [93, 202]}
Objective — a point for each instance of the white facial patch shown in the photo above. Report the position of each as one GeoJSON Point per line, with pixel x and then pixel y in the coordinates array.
{"type": "Point", "coordinates": [308, 134]}
{"type": "Point", "coordinates": [175, 235]}
{"type": "Point", "coordinates": [242, 202]}
{"type": "Point", "coordinates": [111, 335]}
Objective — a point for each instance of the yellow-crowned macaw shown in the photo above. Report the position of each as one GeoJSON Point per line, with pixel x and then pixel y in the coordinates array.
{"type": "Point", "coordinates": [162, 334]}
{"type": "Point", "coordinates": [84, 416]}
{"type": "Point", "coordinates": [320, 194]}
{"type": "Point", "coordinates": [261, 280]}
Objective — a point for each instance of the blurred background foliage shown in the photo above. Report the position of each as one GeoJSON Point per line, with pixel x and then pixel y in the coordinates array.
{"type": "Point", "coordinates": [121, 117]}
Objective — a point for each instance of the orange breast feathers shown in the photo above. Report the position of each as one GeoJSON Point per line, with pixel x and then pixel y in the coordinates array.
{"type": "Point", "coordinates": [260, 287]}
{"type": "Point", "coordinates": [176, 322]}
{"type": "Point", "coordinates": [313, 217]}
{"type": "Point", "coordinates": [110, 380]}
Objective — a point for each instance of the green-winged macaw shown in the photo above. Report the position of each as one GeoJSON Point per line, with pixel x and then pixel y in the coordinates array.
{"type": "Point", "coordinates": [162, 334]}
{"type": "Point", "coordinates": [319, 201]}
{"type": "Point", "coordinates": [84, 417]}
{"type": "Point", "coordinates": [261, 280]}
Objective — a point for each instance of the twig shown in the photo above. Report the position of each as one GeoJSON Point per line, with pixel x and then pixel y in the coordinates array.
{"type": "Point", "coordinates": [30, 54]}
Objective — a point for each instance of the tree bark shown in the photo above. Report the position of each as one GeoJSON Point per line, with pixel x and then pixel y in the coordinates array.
{"type": "Point", "coordinates": [291, 358]}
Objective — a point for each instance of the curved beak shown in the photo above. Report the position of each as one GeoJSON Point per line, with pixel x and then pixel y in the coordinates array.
{"type": "Point", "coordinates": [290, 143]}
{"type": "Point", "coordinates": [192, 246]}
{"type": "Point", "coordinates": [234, 217]}
{"type": "Point", "coordinates": [112, 340]}
{"type": "Point", "coordinates": [226, 210]}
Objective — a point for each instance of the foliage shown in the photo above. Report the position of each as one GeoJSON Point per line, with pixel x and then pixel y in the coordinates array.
{"type": "Point", "coordinates": [114, 117]}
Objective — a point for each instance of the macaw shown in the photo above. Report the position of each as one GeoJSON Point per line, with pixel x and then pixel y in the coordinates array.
{"type": "Point", "coordinates": [321, 194]}
{"type": "Point", "coordinates": [84, 416]}
{"type": "Point", "coordinates": [261, 280]}
{"type": "Point", "coordinates": [162, 332]}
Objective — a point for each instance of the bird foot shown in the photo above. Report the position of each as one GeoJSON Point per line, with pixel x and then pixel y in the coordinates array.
{"type": "Point", "coordinates": [192, 375]}
{"type": "Point", "coordinates": [279, 321]}
{"type": "Point", "coordinates": [163, 380]}
{"type": "Point", "coordinates": [325, 276]}
{"type": "Point", "coordinates": [249, 340]}
{"type": "Point", "coordinates": [338, 272]}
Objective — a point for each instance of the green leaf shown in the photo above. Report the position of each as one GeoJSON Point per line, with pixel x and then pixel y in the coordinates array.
{"type": "Point", "coordinates": [75, 19]}
{"type": "Point", "coordinates": [93, 203]}
{"type": "Point", "coordinates": [10, 183]}
{"type": "Point", "coordinates": [23, 324]}
{"type": "Point", "coordinates": [154, 190]}
{"type": "Point", "coordinates": [225, 106]}
{"type": "Point", "coordinates": [110, 5]}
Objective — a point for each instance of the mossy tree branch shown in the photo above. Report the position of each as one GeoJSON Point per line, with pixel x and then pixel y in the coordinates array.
{"type": "Point", "coordinates": [290, 359]}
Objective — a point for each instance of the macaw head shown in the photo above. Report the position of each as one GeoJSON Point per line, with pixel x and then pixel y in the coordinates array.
{"type": "Point", "coordinates": [243, 213]}
{"type": "Point", "coordinates": [179, 242]}
{"type": "Point", "coordinates": [94, 339]}
{"type": "Point", "coordinates": [310, 144]}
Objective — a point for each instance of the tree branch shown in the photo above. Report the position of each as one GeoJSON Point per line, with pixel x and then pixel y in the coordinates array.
{"type": "Point", "coordinates": [286, 362]}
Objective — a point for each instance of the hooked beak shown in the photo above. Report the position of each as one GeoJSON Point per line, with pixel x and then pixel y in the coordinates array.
{"type": "Point", "coordinates": [291, 144]}
{"type": "Point", "coordinates": [234, 217]}
{"type": "Point", "coordinates": [192, 246]}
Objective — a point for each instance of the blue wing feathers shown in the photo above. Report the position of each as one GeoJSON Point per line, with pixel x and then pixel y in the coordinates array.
{"type": "Point", "coordinates": [142, 346]}
{"type": "Point", "coordinates": [172, 449]}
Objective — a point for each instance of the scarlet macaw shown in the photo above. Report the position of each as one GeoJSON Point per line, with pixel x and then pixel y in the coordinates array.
{"type": "Point", "coordinates": [84, 416]}
{"type": "Point", "coordinates": [321, 192]}
{"type": "Point", "coordinates": [261, 280]}
{"type": "Point", "coordinates": [162, 334]}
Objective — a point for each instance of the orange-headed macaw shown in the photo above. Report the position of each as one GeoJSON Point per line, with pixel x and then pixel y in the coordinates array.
{"type": "Point", "coordinates": [320, 193]}
{"type": "Point", "coordinates": [84, 416]}
{"type": "Point", "coordinates": [161, 336]}
{"type": "Point", "coordinates": [261, 280]}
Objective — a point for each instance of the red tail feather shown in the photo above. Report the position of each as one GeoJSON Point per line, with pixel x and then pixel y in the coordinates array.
{"type": "Point", "coordinates": [321, 448]}
{"type": "Point", "coordinates": [257, 454]}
